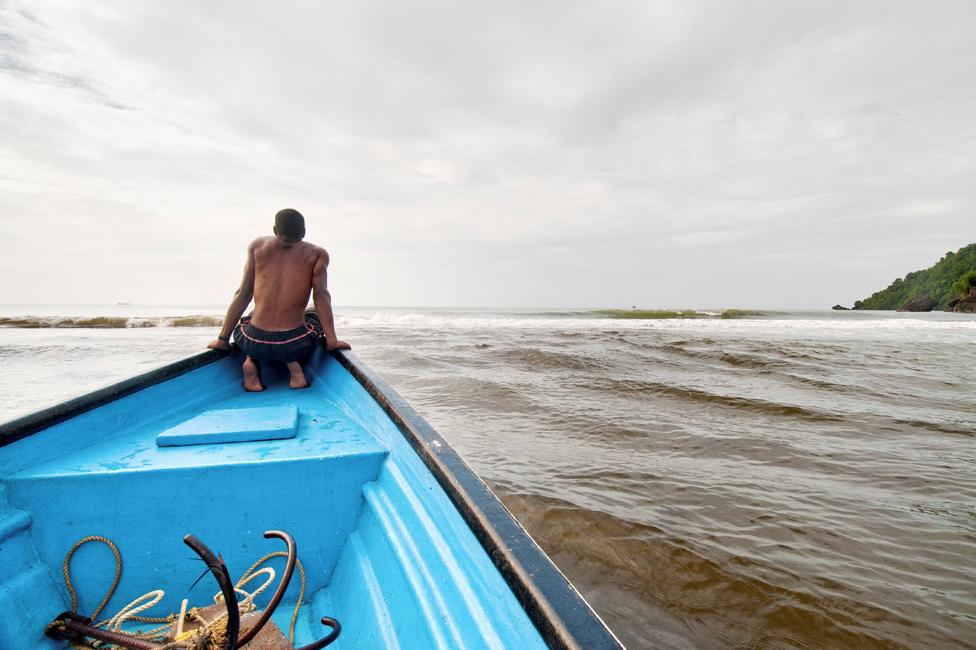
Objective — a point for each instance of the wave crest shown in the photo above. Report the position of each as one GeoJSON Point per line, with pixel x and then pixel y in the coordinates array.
{"type": "Point", "coordinates": [697, 395]}
{"type": "Point", "coordinates": [107, 322]}
{"type": "Point", "coordinates": [664, 314]}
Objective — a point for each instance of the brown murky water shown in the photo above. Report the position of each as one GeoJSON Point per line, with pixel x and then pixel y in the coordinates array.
{"type": "Point", "coordinates": [768, 483]}
{"type": "Point", "coordinates": [782, 481]}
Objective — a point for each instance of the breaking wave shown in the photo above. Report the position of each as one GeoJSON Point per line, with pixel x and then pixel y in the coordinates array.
{"type": "Point", "coordinates": [108, 322]}
{"type": "Point", "coordinates": [567, 322]}
{"type": "Point", "coordinates": [663, 314]}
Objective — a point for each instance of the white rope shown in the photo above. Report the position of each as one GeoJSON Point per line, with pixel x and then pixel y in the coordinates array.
{"type": "Point", "coordinates": [131, 609]}
{"type": "Point", "coordinates": [246, 604]}
{"type": "Point", "coordinates": [182, 616]}
{"type": "Point", "coordinates": [247, 579]}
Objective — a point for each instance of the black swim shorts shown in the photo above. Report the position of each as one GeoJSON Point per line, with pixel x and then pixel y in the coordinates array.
{"type": "Point", "coordinates": [283, 347]}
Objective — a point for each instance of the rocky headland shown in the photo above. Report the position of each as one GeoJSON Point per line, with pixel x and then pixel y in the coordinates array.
{"type": "Point", "coordinates": [949, 285]}
{"type": "Point", "coordinates": [965, 303]}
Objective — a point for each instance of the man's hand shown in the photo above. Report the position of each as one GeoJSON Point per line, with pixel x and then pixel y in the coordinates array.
{"type": "Point", "coordinates": [337, 345]}
{"type": "Point", "coordinates": [218, 344]}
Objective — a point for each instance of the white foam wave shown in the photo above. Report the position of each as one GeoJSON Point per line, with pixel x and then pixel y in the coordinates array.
{"type": "Point", "coordinates": [422, 321]}
{"type": "Point", "coordinates": [107, 322]}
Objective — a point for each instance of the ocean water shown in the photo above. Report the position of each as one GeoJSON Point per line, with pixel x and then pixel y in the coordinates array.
{"type": "Point", "coordinates": [767, 479]}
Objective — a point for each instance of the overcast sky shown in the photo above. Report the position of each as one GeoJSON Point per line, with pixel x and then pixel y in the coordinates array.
{"type": "Point", "coordinates": [576, 154]}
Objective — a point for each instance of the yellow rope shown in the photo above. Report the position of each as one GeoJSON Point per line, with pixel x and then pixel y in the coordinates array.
{"type": "Point", "coordinates": [115, 582]}
{"type": "Point", "coordinates": [301, 592]}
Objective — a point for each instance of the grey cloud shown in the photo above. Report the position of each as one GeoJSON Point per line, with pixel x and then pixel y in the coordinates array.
{"type": "Point", "coordinates": [21, 54]}
{"type": "Point", "coordinates": [631, 150]}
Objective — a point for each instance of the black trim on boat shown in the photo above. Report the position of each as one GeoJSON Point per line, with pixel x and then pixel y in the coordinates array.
{"type": "Point", "coordinates": [558, 611]}
{"type": "Point", "coordinates": [14, 430]}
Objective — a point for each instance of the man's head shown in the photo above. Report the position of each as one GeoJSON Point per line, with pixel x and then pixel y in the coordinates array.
{"type": "Point", "coordinates": [289, 225]}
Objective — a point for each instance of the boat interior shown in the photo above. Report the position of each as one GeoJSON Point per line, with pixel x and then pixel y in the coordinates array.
{"type": "Point", "coordinates": [383, 549]}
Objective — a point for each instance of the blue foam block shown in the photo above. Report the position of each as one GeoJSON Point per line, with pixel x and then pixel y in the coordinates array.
{"type": "Point", "coordinates": [233, 425]}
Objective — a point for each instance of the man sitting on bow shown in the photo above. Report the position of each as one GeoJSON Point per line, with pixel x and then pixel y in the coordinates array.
{"type": "Point", "coordinates": [280, 273]}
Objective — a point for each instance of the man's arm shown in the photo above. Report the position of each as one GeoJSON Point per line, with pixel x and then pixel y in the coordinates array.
{"type": "Point", "coordinates": [323, 303]}
{"type": "Point", "coordinates": [242, 298]}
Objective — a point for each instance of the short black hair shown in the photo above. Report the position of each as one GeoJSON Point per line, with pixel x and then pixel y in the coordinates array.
{"type": "Point", "coordinates": [290, 223]}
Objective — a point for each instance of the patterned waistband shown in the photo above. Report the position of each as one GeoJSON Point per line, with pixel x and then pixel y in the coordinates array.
{"type": "Point", "coordinates": [305, 330]}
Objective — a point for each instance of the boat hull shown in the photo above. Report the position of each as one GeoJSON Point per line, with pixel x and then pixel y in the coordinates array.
{"type": "Point", "coordinates": [399, 539]}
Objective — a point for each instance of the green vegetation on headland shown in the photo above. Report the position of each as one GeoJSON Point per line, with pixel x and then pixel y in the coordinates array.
{"type": "Point", "coordinates": [948, 285]}
{"type": "Point", "coordinates": [660, 314]}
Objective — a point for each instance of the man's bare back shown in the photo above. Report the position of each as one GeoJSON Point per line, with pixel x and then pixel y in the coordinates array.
{"type": "Point", "coordinates": [283, 275]}
{"type": "Point", "coordinates": [279, 274]}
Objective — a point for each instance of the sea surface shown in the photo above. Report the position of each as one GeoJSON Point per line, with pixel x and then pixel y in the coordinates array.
{"type": "Point", "coordinates": [758, 480]}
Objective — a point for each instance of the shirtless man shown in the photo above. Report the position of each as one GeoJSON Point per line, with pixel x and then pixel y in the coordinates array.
{"type": "Point", "coordinates": [279, 274]}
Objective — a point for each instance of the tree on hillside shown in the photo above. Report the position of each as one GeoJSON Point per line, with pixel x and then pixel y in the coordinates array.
{"type": "Point", "coordinates": [938, 282]}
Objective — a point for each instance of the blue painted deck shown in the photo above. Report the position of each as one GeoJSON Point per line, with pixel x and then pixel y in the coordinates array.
{"type": "Point", "coordinates": [384, 548]}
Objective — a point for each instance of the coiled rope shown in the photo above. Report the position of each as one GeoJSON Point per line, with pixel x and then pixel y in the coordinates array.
{"type": "Point", "coordinates": [210, 634]}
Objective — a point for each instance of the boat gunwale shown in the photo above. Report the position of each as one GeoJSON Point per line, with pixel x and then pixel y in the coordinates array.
{"type": "Point", "coordinates": [29, 424]}
{"type": "Point", "coordinates": [558, 611]}
{"type": "Point", "coordinates": [560, 614]}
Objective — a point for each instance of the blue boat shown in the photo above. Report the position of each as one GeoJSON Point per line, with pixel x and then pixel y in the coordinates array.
{"type": "Point", "coordinates": [176, 484]}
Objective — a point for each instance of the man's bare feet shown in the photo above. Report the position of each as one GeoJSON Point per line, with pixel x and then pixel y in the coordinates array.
{"type": "Point", "coordinates": [252, 376]}
{"type": "Point", "coordinates": [297, 376]}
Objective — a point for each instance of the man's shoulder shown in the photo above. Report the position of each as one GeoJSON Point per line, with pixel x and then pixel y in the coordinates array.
{"type": "Point", "coordinates": [260, 242]}
{"type": "Point", "coordinates": [316, 250]}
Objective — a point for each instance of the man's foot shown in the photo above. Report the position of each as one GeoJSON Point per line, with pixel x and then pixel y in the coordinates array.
{"type": "Point", "coordinates": [252, 376]}
{"type": "Point", "coordinates": [297, 376]}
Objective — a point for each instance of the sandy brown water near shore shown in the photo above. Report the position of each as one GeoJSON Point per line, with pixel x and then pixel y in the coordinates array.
{"type": "Point", "coordinates": [768, 484]}
{"type": "Point", "coordinates": [781, 482]}
{"type": "Point", "coordinates": [650, 586]}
